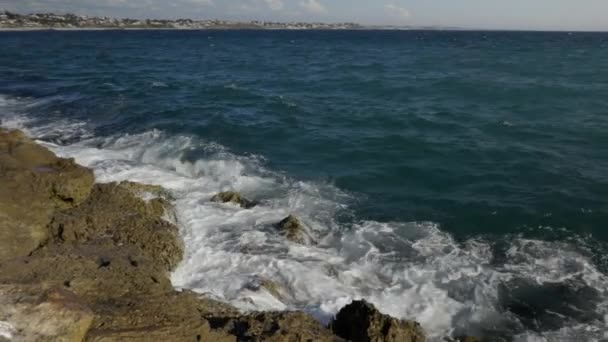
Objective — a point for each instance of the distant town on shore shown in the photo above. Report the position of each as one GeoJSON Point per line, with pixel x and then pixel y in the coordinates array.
{"type": "Point", "coordinates": [9, 20]}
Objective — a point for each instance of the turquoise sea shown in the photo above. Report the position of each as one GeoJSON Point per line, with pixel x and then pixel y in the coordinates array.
{"type": "Point", "coordinates": [456, 178]}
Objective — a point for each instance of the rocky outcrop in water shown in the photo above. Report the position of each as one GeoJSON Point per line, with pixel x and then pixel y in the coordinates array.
{"type": "Point", "coordinates": [233, 197]}
{"type": "Point", "coordinates": [291, 228]}
{"type": "Point", "coordinates": [360, 321]}
{"type": "Point", "coordinates": [84, 261]}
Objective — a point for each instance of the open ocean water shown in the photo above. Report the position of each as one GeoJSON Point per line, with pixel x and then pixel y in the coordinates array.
{"type": "Point", "coordinates": [455, 178]}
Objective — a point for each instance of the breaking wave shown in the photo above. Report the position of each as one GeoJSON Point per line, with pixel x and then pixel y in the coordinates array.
{"type": "Point", "coordinates": [515, 289]}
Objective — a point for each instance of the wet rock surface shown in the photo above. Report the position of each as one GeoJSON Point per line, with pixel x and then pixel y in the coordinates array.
{"type": "Point", "coordinates": [360, 321]}
{"type": "Point", "coordinates": [291, 228]}
{"type": "Point", "coordinates": [233, 197]}
{"type": "Point", "coordinates": [90, 262]}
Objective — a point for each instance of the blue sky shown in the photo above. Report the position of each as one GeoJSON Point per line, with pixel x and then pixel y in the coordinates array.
{"type": "Point", "coordinates": [490, 14]}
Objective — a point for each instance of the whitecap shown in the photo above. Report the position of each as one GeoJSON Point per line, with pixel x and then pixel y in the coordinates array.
{"type": "Point", "coordinates": [158, 84]}
{"type": "Point", "coordinates": [410, 270]}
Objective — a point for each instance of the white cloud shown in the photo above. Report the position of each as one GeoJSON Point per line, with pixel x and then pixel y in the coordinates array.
{"type": "Point", "coordinates": [202, 2]}
{"type": "Point", "coordinates": [313, 6]}
{"type": "Point", "coordinates": [262, 5]}
{"type": "Point", "coordinates": [275, 5]}
{"type": "Point", "coordinates": [397, 11]}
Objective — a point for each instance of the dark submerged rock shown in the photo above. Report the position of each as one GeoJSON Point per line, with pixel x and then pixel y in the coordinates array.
{"type": "Point", "coordinates": [360, 321]}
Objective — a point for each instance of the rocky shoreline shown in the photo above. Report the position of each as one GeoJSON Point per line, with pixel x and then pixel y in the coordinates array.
{"type": "Point", "coordinates": [81, 261]}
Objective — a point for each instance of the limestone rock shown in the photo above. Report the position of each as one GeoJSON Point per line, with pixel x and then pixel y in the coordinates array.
{"type": "Point", "coordinates": [291, 228]}
{"type": "Point", "coordinates": [147, 191]}
{"type": "Point", "coordinates": [94, 272]}
{"type": "Point", "coordinates": [32, 313]}
{"type": "Point", "coordinates": [115, 214]}
{"type": "Point", "coordinates": [34, 183]}
{"type": "Point", "coordinates": [172, 317]}
{"type": "Point", "coordinates": [362, 322]}
{"type": "Point", "coordinates": [233, 197]}
{"type": "Point", "coordinates": [211, 308]}
{"type": "Point", "coordinates": [130, 295]}
{"type": "Point", "coordinates": [64, 182]}
{"type": "Point", "coordinates": [275, 327]}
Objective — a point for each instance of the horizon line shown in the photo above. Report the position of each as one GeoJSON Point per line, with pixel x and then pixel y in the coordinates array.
{"type": "Point", "coordinates": [377, 27]}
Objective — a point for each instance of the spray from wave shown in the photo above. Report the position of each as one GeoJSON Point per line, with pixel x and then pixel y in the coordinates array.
{"type": "Point", "coordinates": [513, 290]}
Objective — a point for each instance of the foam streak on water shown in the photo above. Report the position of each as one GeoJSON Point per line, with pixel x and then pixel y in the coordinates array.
{"type": "Point", "coordinates": [410, 270]}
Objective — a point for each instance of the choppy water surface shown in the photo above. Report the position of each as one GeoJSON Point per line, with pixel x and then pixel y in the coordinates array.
{"type": "Point", "coordinates": [458, 178]}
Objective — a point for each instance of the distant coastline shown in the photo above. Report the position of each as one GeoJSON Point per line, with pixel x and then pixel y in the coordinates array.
{"type": "Point", "coordinates": [50, 21]}
{"type": "Point", "coordinates": [10, 21]}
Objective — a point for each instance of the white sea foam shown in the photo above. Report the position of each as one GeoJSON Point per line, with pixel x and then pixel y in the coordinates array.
{"type": "Point", "coordinates": [409, 270]}
{"type": "Point", "coordinates": [6, 330]}
{"type": "Point", "coordinates": [61, 131]}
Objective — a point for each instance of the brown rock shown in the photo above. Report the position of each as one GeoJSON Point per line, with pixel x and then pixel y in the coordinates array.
{"type": "Point", "coordinates": [467, 339]}
{"type": "Point", "coordinates": [130, 295]}
{"type": "Point", "coordinates": [172, 317]}
{"type": "Point", "coordinates": [105, 251]}
{"type": "Point", "coordinates": [275, 327]}
{"type": "Point", "coordinates": [362, 322]}
{"type": "Point", "coordinates": [233, 197]}
{"type": "Point", "coordinates": [211, 308]}
{"type": "Point", "coordinates": [147, 190]}
{"type": "Point", "coordinates": [115, 214]}
{"type": "Point", "coordinates": [33, 313]}
{"type": "Point", "coordinates": [94, 272]}
{"type": "Point", "coordinates": [34, 183]}
{"type": "Point", "coordinates": [291, 228]}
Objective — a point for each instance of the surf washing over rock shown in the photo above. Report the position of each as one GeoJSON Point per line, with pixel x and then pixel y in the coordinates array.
{"type": "Point", "coordinates": [409, 270]}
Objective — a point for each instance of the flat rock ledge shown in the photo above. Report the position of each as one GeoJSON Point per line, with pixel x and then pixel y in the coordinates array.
{"type": "Point", "coordinates": [81, 261]}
